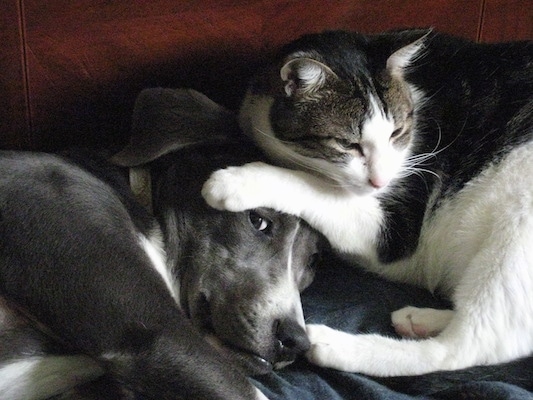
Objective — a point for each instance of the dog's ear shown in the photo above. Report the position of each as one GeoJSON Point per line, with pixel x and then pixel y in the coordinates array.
{"type": "Point", "coordinates": [169, 119]}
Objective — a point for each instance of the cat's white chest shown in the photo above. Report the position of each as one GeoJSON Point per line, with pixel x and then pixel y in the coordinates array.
{"type": "Point", "coordinates": [493, 211]}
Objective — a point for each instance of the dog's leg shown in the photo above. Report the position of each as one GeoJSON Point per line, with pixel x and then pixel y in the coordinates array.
{"type": "Point", "coordinates": [41, 377]}
{"type": "Point", "coordinates": [70, 256]}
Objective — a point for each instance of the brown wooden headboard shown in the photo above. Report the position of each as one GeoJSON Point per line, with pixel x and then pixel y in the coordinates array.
{"type": "Point", "coordinates": [70, 69]}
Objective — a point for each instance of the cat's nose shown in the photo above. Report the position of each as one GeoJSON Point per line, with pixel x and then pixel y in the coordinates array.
{"type": "Point", "coordinates": [378, 183]}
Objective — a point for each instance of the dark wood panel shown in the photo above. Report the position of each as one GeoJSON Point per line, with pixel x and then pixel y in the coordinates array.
{"type": "Point", "coordinates": [88, 59]}
{"type": "Point", "coordinates": [14, 130]}
{"type": "Point", "coordinates": [505, 20]}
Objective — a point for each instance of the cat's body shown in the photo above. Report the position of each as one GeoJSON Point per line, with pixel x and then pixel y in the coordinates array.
{"type": "Point", "coordinates": [413, 153]}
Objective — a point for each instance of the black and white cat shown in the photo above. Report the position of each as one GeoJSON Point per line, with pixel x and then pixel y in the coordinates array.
{"type": "Point", "coordinates": [412, 151]}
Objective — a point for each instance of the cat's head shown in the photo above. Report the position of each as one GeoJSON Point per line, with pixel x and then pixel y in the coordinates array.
{"type": "Point", "coordinates": [337, 104]}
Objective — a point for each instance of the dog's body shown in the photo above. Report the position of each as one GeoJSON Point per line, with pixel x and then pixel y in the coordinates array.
{"type": "Point", "coordinates": [92, 284]}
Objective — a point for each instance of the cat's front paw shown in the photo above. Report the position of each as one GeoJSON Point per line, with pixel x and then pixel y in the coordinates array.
{"type": "Point", "coordinates": [327, 347]}
{"type": "Point", "coordinates": [233, 188]}
{"type": "Point", "coordinates": [320, 350]}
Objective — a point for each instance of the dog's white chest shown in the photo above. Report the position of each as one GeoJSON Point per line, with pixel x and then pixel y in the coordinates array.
{"type": "Point", "coordinates": [153, 246]}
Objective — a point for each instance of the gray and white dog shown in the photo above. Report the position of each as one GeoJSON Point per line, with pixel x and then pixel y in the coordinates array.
{"type": "Point", "coordinates": [93, 288]}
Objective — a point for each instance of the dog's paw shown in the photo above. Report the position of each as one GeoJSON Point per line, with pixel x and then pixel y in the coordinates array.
{"type": "Point", "coordinates": [234, 188]}
{"type": "Point", "coordinates": [413, 322]}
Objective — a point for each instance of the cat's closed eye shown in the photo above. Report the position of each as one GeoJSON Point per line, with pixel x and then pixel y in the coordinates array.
{"type": "Point", "coordinates": [349, 145]}
{"type": "Point", "coordinates": [396, 132]}
{"type": "Point", "coordinates": [346, 144]}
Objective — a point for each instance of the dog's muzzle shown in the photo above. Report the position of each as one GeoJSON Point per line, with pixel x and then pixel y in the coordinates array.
{"type": "Point", "coordinates": [257, 354]}
{"type": "Point", "coordinates": [292, 341]}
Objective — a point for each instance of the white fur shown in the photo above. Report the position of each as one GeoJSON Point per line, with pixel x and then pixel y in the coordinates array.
{"type": "Point", "coordinates": [38, 378]}
{"type": "Point", "coordinates": [290, 291]}
{"type": "Point", "coordinates": [311, 73]}
{"type": "Point", "coordinates": [477, 248]}
{"type": "Point", "coordinates": [381, 160]}
{"type": "Point", "coordinates": [400, 60]}
{"type": "Point", "coordinates": [259, 395]}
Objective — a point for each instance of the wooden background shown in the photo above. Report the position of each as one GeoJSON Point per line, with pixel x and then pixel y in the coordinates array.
{"type": "Point", "coordinates": [70, 69]}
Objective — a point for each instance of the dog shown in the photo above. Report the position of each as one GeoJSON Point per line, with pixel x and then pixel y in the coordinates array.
{"type": "Point", "coordinates": [100, 299]}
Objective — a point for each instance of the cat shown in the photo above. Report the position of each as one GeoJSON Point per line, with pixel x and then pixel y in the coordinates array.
{"type": "Point", "coordinates": [412, 152]}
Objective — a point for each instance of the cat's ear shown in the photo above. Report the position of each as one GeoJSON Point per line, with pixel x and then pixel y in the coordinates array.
{"type": "Point", "coordinates": [304, 75]}
{"type": "Point", "coordinates": [405, 55]}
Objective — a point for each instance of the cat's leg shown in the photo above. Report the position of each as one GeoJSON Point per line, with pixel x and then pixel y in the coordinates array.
{"type": "Point", "coordinates": [351, 223]}
{"type": "Point", "coordinates": [414, 322]}
{"type": "Point", "coordinates": [256, 185]}
{"type": "Point", "coordinates": [492, 322]}
{"type": "Point", "coordinates": [372, 354]}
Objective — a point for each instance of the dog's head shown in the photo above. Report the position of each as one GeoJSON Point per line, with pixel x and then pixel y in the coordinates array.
{"type": "Point", "coordinates": [243, 285]}
{"type": "Point", "coordinates": [240, 274]}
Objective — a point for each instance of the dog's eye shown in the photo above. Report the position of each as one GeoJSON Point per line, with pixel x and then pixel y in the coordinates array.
{"type": "Point", "coordinates": [258, 222]}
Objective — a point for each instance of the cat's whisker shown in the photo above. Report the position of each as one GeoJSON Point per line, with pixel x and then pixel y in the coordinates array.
{"type": "Point", "coordinates": [418, 159]}
{"type": "Point", "coordinates": [414, 162]}
{"type": "Point", "coordinates": [418, 171]}
{"type": "Point", "coordinates": [435, 151]}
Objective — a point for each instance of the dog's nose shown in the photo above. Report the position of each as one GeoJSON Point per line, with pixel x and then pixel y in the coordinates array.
{"type": "Point", "coordinates": [292, 339]}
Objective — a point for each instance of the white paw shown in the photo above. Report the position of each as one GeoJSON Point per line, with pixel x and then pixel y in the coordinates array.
{"type": "Point", "coordinates": [413, 322]}
{"type": "Point", "coordinates": [234, 188]}
{"type": "Point", "coordinates": [323, 351]}
{"type": "Point", "coordinates": [342, 350]}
